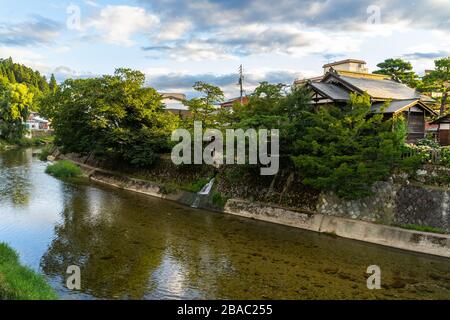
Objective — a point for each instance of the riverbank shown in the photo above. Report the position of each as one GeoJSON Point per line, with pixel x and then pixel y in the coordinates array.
{"type": "Point", "coordinates": [18, 282]}
{"type": "Point", "coordinates": [35, 141]}
{"type": "Point", "coordinates": [411, 240]}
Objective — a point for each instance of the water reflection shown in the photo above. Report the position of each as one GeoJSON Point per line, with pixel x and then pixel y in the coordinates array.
{"type": "Point", "coordinates": [134, 247]}
{"type": "Point", "coordinates": [15, 186]}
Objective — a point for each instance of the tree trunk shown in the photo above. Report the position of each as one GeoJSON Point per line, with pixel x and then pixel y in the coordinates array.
{"type": "Point", "coordinates": [443, 103]}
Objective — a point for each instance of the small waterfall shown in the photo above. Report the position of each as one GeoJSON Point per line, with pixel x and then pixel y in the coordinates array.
{"type": "Point", "coordinates": [206, 190]}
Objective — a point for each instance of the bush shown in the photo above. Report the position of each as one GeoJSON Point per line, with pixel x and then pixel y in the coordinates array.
{"type": "Point", "coordinates": [219, 200]}
{"type": "Point", "coordinates": [45, 153]}
{"type": "Point", "coordinates": [64, 169]}
{"type": "Point", "coordinates": [428, 143]}
{"type": "Point", "coordinates": [196, 186]}
{"type": "Point", "coordinates": [347, 149]}
{"type": "Point", "coordinates": [18, 282]}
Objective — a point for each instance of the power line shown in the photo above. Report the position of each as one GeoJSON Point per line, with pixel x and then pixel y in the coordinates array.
{"type": "Point", "coordinates": [241, 83]}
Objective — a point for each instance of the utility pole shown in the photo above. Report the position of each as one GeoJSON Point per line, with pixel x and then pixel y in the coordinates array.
{"type": "Point", "coordinates": [241, 83]}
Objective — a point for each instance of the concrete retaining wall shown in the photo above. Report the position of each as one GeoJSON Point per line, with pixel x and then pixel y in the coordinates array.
{"type": "Point", "coordinates": [416, 241]}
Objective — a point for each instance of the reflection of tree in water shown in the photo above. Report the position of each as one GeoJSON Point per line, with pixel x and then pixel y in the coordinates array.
{"type": "Point", "coordinates": [97, 236]}
{"type": "Point", "coordinates": [15, 183]}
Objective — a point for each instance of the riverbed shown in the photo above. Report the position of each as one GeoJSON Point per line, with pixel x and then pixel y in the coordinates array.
{"type": "Point", "coordinates": [131, 246]}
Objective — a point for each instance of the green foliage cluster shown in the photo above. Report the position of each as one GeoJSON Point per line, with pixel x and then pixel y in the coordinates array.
{"type": "Point", "coordinates": [64, 169]}
{"type": "Point", "coordinates": [219, 200]}
{"type": "Point", "coordinates": [20, 90]}
{"type": "Point", "coordinates": [399, 69]}
{"type": "Point", "coordinates": [438, 80]}
{"type": "Point", "coordinates": [347, 149]}
{"type": "Point", "coordinates": [15, 103]}
{"type": "Point", "coordinates": [114, 117]}
{"type": "Point", "coordinates": [17, 73]}
{"type": "Point", "coordinates": [203, 108]}
{"type": "Point", "coordinates": [18, 282]}
{"type": "Point", "coordinates": [45, 152]}
{"type": "Point", "coordinates": [423, 228]}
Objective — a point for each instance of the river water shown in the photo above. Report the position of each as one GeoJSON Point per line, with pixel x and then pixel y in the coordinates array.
{"type": "Point", "coordinates": [131, 246]}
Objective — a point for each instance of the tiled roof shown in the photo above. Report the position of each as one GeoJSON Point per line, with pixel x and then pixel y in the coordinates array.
{"type": "Point", "coordinates": [383, 89]}
{"type": "Point", "coordinates": [399, 105]}
{"type": "Point", "coordinates": [331, 91]}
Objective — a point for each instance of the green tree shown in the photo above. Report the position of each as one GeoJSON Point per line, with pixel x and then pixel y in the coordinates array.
{"type": "Point", "coordinates": [263, 108]}
{"type": "Point", "coordinates": [438, 80]}
{"type": "Point", "coordinates": [53, 85]}
{"type": "Point", "coordinates": [347, 149]}
{"type": "Point", "coordinates": [15, 104]}
{"type": "Point", "coordinates": [11, 77]}
{"type": "Point", "coordinates": [203, 108]}
{"type": "Point", "coordinates": [114, 117]}
{"type": "Point", "coordinates": [400, 69]}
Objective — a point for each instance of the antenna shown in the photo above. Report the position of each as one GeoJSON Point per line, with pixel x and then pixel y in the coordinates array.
{"type": "Point", "coordinates": [241, 83]}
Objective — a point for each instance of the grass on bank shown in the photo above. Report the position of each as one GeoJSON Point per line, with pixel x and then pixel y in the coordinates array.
{"type": "Point", "coordinates": [45, 152]}
{"type": "Point", "coordinates": [423, 228]}
{"type": "Point", "coordinates": [64, 169]}
{"type": "Point", "coordinates": [18, 282]}
{"type": "Point", "coordinates": [26, 142]}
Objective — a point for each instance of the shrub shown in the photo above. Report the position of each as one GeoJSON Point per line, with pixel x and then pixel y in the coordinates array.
{"type": "Point", "coordinates": [347, 149]}
{"type": "Point", "coordinates": [46, 151]}
{"type": "Point", "coordinates": [196, 186]}
{"type": "Point", "coordinates": [219, 200]}
{"type": "Point", "coordinates": [64, 169]}
{"type": "Point", "coordinates": [18, 282]}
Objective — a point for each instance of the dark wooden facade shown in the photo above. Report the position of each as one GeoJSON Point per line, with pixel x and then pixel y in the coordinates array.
{"type": "Point", "coordinates": [443, 130]}
{"type": "Point", "coordinates": [415, 119]}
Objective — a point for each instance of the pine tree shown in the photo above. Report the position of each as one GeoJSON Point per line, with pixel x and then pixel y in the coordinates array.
{"type": "Point", "coordinates": [53, 85]}
{"type": "Point", "coordinates": [11, 77]}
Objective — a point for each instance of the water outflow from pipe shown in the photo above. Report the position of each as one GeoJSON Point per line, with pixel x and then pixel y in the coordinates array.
{"type": "Point", "coordinates": [206, 190]}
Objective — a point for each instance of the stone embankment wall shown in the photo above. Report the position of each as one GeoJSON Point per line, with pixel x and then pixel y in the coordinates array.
{"type": "Point", "coordinates": [394, 203]}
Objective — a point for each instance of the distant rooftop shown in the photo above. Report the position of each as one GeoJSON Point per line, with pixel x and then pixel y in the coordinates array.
{"type": "Point", "coordinates": [332, 64]}
{"type": "Point", "coordinates": [176, 96]}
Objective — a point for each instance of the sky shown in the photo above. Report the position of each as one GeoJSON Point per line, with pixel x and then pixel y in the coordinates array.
{"type": "Point", "coordinates": [177, 42]}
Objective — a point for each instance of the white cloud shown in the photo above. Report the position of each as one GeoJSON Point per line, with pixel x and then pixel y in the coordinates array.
{"type": "Point", "coordinates": [174, 30]}
{"type": "Point", "coordinates": [119, 24]}
{"type": "Point", "coordinates": [92, 3]}
{"type": "Point", "coordinates": [24, 56]}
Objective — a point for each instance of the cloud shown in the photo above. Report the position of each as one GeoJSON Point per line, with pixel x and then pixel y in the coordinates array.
{"type": "Point", "coordinates": [63, 73]}
{"type": "Point", "coordinates": [222, 28]}
{"type": "Point", "coordinates": [119, 24]}
{"type": "Point", "coordinates": [37, 31]}
{"type": "Point", "coordinates": [330, 14]}
{"type": "Point", "coordinates": [426, 55]}
{"type": "Point", "coordinates": [256, 39]}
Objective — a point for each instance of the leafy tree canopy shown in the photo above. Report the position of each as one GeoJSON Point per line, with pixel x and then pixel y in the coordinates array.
{"type": "Point", "coordinates": [400, 69]}
{"type": "Point", "coordinates": [438, 80]}
{"type": "Point", "coordinates": [203, 108]}
{"type": "Point", "coordinates": [346, 150]}
{"type": "Point", "coordinates": [112, 116]}
{"type": "Point", "coordinates": [15, 103]}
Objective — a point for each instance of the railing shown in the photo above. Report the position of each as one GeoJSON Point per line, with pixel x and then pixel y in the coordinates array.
{"type": "Point", "coordinates": [432, 156]}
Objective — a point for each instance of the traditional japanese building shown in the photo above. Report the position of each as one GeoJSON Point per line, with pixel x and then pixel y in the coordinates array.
{"type": "Point", "coordinates": [443, 131]}
{"type": "Point", "coordinates": [388, 96]}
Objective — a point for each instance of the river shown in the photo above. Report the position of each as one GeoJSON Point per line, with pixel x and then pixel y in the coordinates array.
{"type": "Point", "coordinates": [131, 246]}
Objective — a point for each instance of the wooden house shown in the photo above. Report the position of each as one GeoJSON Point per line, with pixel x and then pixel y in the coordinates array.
{"type": "Point", "coordinates": [387, 95]}
{"type": "Point", "coordinates": [443, 132]}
